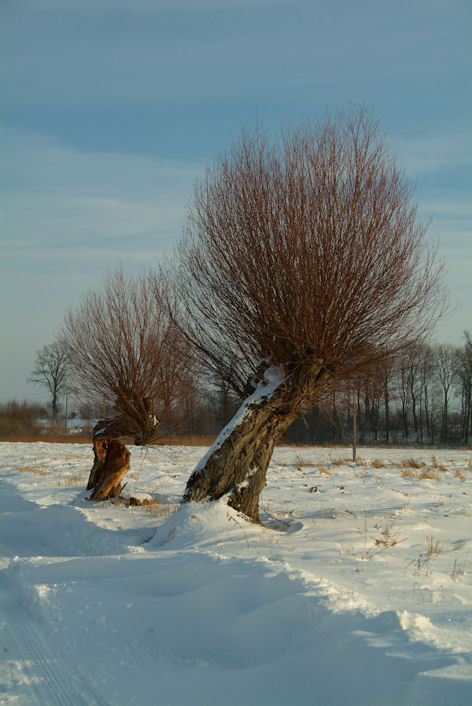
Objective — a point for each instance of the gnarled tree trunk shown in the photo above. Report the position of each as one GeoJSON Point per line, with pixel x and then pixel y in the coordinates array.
{"type": "Point", "coordinates": [111, 459]}
{"type": "Point", "coordinates": [236, 465]}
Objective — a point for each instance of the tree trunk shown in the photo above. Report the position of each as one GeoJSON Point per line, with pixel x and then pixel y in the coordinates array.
{"type": "Point", "coordinates": [54, 406]}
{"type": "Point", "coordinates": [111, 460]}
{"type": "Point", "coordinates": [387, 413]}
{"type": "Point", "coordinates": [109, 470]}
{"type": "Point", "coordinates": [236, 465]}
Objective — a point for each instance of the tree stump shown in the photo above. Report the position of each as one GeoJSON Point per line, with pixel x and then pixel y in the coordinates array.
{"type": "Point", "coordinates": [111, 460]}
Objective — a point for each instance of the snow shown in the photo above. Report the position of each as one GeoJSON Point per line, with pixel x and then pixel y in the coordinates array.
{"type": "Point", "coordinates": [356, 591]}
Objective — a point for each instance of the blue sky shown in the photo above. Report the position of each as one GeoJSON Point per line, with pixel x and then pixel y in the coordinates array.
{"type": "Point", "coordinates": [112, 108]}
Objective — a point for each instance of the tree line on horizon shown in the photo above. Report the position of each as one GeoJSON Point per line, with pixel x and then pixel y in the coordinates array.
{"type": "Point", "coordinates": [423, 400]}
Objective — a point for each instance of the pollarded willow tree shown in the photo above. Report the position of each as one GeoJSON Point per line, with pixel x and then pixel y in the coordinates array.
{"type": "Point", "coordinates": [303, 262]}
{"type": "Point", "coordinates": [126, 355]}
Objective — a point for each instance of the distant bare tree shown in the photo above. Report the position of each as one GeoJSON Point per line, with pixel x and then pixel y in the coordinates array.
{"type": "Point", "coordinates": [464, 379]}
{"type": "Point", "coordinates": [51, 367]}
{"type": "Point", "coordinates": [306, 254]}
{"type": "Point", "coordinates": [446, 365]}
{"type": "Point", "coordinates": [125, 353]}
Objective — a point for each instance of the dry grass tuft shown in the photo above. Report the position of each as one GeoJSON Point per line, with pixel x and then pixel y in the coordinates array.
{"type": "Point", "coordinates": [74, 479]}
{"type": "Point", "coordinates": [426, 473]}
{"type": "Point", "coordinates": [438, 466]}
{"type": "Point", "coordinates": [458, 474]}
{"type": "Point", "coordinates": [412, 463]}
{"type": "Point", "coordinates": [304, 463]}
{"type": "Point", "coordinates": [456, 571]}
{"type": "Point", "coordinates": [343, 461]}
{"type": "Point", "coordinates": [163, 511]}
{"type": "Point", "coordinates": [429, 474]}
{"type": "Point", "coordinates": [408, 473]}
{"type": "Point", "coordinates": [29, 469]}
{"type": "Point", "coordinates": [323, 469]}
{"type": "Point", "coordinates": [387, 539]}
{"type": "Point", "coordinates": [377, 463]}
{"type": "Point", "coordinates": [433, 548]}
{"type": "Point", "coordinates": [135, 502]}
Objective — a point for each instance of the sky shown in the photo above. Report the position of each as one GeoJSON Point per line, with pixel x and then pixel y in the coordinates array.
{"type": "Point", "coordinates": [111, 109]}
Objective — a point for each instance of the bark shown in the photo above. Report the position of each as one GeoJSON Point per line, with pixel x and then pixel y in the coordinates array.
{"type": "Point", "coordinates": [237, 463]}
{"type": "Point", "coordinates": [111, 460]}
{"type": "Point", "coordinates": [387, 412]}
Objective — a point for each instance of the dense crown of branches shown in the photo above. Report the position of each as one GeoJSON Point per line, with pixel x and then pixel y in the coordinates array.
{"type": "Point", "coordinates": [307, 251]}
{"type": "Point", "coordinates": [126, 353]}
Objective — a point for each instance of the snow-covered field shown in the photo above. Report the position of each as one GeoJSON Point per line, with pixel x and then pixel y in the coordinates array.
{"type": "Point", "coordinates": [356, 591]}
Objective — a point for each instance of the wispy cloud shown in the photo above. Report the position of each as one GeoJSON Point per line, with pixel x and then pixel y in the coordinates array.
{"type": "Point", "coordinates": [67, 218]}
{"type": "Point", "coordinates": [433, 150]}
{"type": "Point", "coordinates": [56, 200]}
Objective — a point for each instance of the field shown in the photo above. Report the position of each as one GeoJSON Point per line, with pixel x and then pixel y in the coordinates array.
{"type": "Point", "coordinates": [356, 590]}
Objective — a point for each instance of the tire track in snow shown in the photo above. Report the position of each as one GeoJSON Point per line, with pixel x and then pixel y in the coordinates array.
{"type": "Point", "coordinates": [43, 666]}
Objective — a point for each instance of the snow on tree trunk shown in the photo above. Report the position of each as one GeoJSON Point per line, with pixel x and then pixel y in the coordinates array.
{"type": "Point", "coordinates": [236, 464]}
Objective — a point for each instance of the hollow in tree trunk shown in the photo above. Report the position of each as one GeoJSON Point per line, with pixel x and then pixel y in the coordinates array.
{"type": "Point", "coordinates": [236, 465]}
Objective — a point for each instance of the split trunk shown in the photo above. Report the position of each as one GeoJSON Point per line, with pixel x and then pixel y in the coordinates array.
{"type": "Point", "coordinates": [111, 460]}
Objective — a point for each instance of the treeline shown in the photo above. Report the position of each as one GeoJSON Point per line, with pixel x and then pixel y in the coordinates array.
{"type": "Point", "coordinates": [422, 398]}
{"type": "Point", "coordinates": [19, 420]}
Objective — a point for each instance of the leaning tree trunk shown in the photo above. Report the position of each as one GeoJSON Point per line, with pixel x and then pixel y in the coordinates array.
{"type": "Point", "coordinates": [236, 465]}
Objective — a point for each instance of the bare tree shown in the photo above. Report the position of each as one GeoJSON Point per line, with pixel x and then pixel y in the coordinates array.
{"type": "Point", "coordinates": [464, 378]}
{"type": "Point", "coordinates": [306, 254]}
{"type": "Point", "coordinates": [51, 367]}
{"type": "Point", "coordinates": [126, 353]}
{"type": "Point", "coordinates": [446, 363]}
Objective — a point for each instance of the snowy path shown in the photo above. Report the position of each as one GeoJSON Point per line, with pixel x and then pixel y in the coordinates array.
{"type": "Point", "coordinates": [108, 605]}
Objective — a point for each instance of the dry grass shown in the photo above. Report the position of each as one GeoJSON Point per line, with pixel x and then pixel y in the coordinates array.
{"type": "Point", "coordinates": [456, 571]}
{"type": "Point", "coordinates": [40, 470]}
{"type": "Point", "coordinates": [412, 463]}
{"type": "Point", "coordinates": [377, 463]}
{"type": "Point", "coordinates": [163, 511]}
{"type": "Point", "coordinates": [429, 474]}
{"type": "Point", "coordinates": [387, 539]}
{"type": "Point", "coordinates": [134, 502]}
{"type": "Point", "coordinates": [343, 461]}
{"type": "Point", "coordinates": [426, 474]}
{"type": "Point", "coordinates": [408, 473]}
{"type": "Point", "coordinates": [458, 474]}
{"type": "Point", "coordinates": [305, 463]}
{"type": "Point", "coordinates": [152, 507]}
{"type": "Point", "coordinates": [438, 466]}
{"type": "Point", "coordinates": [433, 548]}
{"type": "Point", "coordinates": [74, 479]}
{"type": "Point", "coordinates": [459, 547]}
{"type": "Point", "coordinates": [323, 469]}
